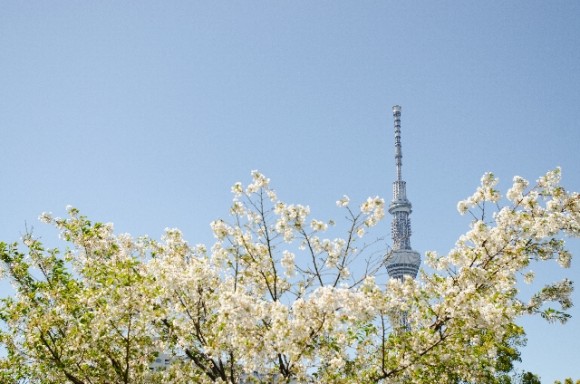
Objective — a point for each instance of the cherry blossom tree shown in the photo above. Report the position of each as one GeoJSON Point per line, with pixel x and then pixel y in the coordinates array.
{"type": "Point", "coordinates": [83, 316]}
{"type": "Point", "coordinates": [279, 297]}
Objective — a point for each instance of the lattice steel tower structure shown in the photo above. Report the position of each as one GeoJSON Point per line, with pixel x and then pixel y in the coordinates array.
{"type": "Point", "coordinates": [402, 260]}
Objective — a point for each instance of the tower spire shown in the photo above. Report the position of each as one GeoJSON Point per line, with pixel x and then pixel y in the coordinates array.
{"type": "Point", "coordinates": [398, 147]}
{"type": "Point", "coordinates": [402, 260]}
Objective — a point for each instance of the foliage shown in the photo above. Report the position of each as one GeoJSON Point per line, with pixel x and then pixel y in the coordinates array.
{"type": "Point", "coordinates": [275, 299]}
{"type": "Point", "coordinates": [530, 378]}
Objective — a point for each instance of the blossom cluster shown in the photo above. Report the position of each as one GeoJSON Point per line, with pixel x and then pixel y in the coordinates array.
{"type": "Point", "coordinates": [277, 298]}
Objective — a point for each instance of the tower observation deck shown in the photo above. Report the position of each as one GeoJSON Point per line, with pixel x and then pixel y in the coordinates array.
{"type": "Point", "coordinates": [402, 260]}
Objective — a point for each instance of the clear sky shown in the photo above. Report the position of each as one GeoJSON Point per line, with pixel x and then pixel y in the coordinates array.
{"type": "Point", "coordinates": [144, 113]}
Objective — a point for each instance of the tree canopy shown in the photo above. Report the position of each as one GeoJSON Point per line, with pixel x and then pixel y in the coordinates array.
{"type": "Point", "coordinates": [278, 298]}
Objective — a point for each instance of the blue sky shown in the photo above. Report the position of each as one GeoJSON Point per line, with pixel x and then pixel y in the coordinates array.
{"type": "Point", "coordinates": [144, 113]}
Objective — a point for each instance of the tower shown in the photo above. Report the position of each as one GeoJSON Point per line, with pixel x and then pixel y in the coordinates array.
{"type": "Point", "coordinates": [401, 260]}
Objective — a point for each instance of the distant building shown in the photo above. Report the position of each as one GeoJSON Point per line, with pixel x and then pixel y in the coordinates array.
{"type": "Point", "coordinates": [161, 363]}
